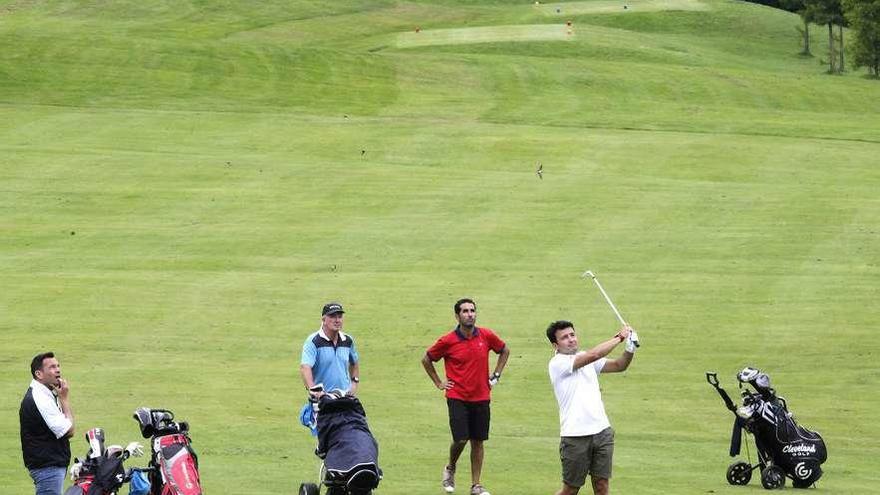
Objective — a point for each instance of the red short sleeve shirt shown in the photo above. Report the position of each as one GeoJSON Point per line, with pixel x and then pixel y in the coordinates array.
{"type": "Point", "coordinates": [467, 362]}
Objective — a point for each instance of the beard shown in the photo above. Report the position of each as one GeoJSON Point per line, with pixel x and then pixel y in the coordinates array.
{"type": "Point", "coordinates": [53, 383]}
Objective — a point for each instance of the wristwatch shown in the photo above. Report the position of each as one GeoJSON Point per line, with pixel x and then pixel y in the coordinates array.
{"type": "Point", "coordinates": [356, 379]}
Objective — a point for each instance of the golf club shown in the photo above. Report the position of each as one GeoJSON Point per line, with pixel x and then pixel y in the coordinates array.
{"type": "Point", "coordinates": [623, 322]}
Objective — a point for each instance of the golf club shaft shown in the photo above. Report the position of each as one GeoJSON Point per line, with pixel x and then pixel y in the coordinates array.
{"type": "Point", "coordinates": [623, 322]}
{"type": "Point", "coordinates": [610, 303]}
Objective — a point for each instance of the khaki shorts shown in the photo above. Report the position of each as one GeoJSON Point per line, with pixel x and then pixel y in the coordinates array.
{"type": "Point", "coordinates": [590, 454]}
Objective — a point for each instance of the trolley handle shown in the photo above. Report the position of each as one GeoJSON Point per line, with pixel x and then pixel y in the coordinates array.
{"type": "Point", "coordinates": [712, 378]}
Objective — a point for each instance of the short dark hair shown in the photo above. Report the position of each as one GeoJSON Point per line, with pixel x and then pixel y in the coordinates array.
{"type": "Point", "coordinates": [37, 362]}
{"type": "Point", "coordinates": [461, 301]}
{"type": "Point", "coordinates": [555, 327]}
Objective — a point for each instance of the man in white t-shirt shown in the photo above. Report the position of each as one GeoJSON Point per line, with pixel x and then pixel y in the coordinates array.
{"type": "Point", "coordinates": [587, 439]}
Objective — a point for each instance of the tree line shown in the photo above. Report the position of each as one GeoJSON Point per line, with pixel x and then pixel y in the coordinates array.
{"type": "Point", "coordinates": [861, 17]}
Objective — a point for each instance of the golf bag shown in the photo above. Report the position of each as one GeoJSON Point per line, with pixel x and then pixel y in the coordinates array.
{"type": "Point", "coordinates": [347, 447]}
{"type": "Point", "coordinates": [101, 472]}
{"type": "Point", "coordinates": [174, 466]}
{"type": "Point", "coordinates": [785, 449]}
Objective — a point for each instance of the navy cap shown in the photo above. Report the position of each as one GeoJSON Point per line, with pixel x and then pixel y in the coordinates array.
{"type": "Point", "coordinates": [332, 308]}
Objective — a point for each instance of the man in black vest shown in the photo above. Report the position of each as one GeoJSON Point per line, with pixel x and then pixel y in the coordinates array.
{"type": "Point", "coordinates": [46, 425]}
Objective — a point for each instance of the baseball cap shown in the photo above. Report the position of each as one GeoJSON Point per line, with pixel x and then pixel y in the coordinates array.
{"type": "Point", "coordinates": [332, 308]}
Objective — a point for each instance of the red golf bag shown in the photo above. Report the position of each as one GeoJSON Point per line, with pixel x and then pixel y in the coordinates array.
{"type": "Point", "coordinates": [174, 464]}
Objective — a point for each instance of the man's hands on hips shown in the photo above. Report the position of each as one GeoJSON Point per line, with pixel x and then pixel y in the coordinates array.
{"type": "Point", "coordinates": [448, 384]}
{"type": "Point", "coordinates": [494, 379]}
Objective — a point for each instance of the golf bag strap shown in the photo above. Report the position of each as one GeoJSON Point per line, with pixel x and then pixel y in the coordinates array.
{"type": "Point", "coordinates": [736, 437]}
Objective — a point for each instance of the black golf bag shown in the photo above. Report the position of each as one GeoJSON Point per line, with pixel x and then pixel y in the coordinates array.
{"type": "Point", "coordinates": [174, 465]}
{"type": "Point", "coordinates": [101, 471]}
{"type": "Point", "coordinates": [785, 449]}
{"type": "Point", "coordinates": [347, 447]}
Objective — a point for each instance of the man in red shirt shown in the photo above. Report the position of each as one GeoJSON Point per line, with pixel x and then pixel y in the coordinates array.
{"type": "Point", "coordinates": [465, 351]}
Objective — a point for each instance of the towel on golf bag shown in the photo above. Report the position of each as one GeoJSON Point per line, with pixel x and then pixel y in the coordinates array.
{"type": "Point", "coordinates": [308, 418]}
{"type": "Point", "coordinates": [139, 484]}
{"type": "Point", "coordinates": [795, 449]}
{"type": "Point", "coordinates": [350, 453]}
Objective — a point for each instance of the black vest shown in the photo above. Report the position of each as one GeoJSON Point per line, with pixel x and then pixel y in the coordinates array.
{"type": "Point", "coordinates": [39, 447]}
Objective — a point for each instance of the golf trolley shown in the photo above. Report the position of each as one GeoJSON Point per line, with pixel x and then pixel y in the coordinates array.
{"type": "Point", "coordinates": [784, 448]}
{"type": "Point", "coordinates": [346, 446]}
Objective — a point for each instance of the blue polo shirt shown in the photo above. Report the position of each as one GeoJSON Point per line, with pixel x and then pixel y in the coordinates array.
{"type": "Point", "coordinates": [330, 363]}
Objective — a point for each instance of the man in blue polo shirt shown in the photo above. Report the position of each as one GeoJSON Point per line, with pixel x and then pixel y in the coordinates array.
{"type": "Point", "coordinates": [329, 357]}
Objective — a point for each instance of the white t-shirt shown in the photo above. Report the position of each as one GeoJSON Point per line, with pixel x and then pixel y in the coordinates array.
{"type": "Point", "coordinates": [581, 411]}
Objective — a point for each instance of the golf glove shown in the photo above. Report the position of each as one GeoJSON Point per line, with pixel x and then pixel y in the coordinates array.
{"type": "Point", "coordinates": [632, 342]}
{"type": "Point", "coordinates": [134, 449]}
{"type": "Point", "coordinates": [494, 379]}
{"type": "Point", "coordinates": [74, 470]}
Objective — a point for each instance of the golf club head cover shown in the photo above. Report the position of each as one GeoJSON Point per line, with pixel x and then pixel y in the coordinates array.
{"type": "Point", "coordinates": [113, 451]}
{"type": "Point", "coordinates": [745, 412]}
{"type": "Point", "coordinates": [75, 470]}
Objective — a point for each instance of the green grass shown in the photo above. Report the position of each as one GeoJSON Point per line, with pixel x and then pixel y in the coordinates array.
{"type": "Point", "coordinates": [617, 6]}
{"type": "Point", "coordinates": [182, 187]}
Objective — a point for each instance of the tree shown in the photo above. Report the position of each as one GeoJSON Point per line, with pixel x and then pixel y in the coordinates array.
{"type": "Point", "coordinates": [864, 17]}
{"type": "Point", "coordinates": [828, 12]}
{"type": "Point", "coordinates": [800, 8]}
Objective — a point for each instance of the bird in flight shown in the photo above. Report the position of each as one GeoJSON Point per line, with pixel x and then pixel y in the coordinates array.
{"type": "Point", "coordinates": [540, 170]}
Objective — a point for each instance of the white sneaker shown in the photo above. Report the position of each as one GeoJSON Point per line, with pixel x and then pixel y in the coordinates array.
{"type": "Point", "coordinates": [478, 490]}
{"type": "Point", "coordinates": [448, 480]}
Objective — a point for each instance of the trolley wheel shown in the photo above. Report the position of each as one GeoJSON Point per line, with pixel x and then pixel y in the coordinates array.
{"type": "Point", "coordinates": [308, 489]}
{"type": "Point", "coordinates": [772, 477]}
{"type": "Point", "coordinates": [739, 473]}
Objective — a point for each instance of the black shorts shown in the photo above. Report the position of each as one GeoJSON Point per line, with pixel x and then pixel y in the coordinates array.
{"type": "Point", "coordinates": [468, 420]}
